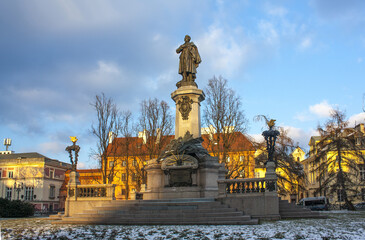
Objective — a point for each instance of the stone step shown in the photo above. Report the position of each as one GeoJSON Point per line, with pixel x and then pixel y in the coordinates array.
{"type": "Point", "coordinates": [151, 211]}
{"type": "Point", "coordinates": [169, 222]}
{"type": "Point", "coordinates": [162, 215]}
{"type": "Point", "coordinates": [199, 204]}
{"type": "Point", "coordinates": [162, 221]}
{"type": "Point", "coordinates": [290, 210]}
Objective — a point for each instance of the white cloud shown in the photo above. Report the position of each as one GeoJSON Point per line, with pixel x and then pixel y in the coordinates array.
{"type": "Point", "coordinates": [305, 43]}
{"type": "Point", "coordinates": [299, 135]}
{"type": "Point", "coordinates": [356, 119]}
{"type": "Point", "coordinates": [224, 50]}
{"type": "Point", "coordinates": [322, 109]}
{"type": "Point", "coordinates": [257, 137]}
{"type": "Point", "coordinates": [50, 148]}
{"type": "Point", "coordinates": [268, 32]}
{"type": "Point", "coordinates": [275, 10]}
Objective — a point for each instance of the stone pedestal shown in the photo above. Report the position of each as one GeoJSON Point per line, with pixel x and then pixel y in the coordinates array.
{"type": "Point", "coordinates": [71, 190]}
{"type": "Point", "coordinates": [204, 181]}
{"type": "Point", "coordinates": [187, 99]}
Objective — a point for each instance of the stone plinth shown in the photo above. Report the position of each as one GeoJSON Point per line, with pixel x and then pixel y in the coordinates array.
{"type": "Point", "coordinates": [204, 181]}
{"type": "Point", "coordinates": [187, 99]}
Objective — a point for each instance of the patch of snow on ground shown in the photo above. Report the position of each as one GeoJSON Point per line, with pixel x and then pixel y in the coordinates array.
{"type": "Point", "coordinates": [339, 225]}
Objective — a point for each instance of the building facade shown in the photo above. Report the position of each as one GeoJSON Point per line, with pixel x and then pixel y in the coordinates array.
{"type": "Point", "coordinates": [315, 176]}
{"type": "Point", "coordinates": [32, 177]}
{"type": "Point", "coordinates": [128, 156]}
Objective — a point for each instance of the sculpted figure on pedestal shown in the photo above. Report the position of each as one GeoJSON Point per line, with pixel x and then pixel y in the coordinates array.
{"type": "Point", "coordinates": [189, 61]}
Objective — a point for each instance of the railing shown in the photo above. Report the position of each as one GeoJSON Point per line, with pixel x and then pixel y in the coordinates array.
{"type": "Point", "coordinates": [92, 191]}
{"type": "Point", "coordinates": [245, 186]}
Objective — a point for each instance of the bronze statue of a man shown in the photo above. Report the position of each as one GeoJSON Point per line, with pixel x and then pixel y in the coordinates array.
{"type": "Point", "coordinates": [189, 61]}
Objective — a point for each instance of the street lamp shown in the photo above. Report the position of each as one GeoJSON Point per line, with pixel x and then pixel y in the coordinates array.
{"type": "Point", "coordinates": [18, 187]}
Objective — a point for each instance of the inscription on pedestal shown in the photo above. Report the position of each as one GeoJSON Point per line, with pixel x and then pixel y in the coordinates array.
{"type": "Point", "coordinates": [180, 178]}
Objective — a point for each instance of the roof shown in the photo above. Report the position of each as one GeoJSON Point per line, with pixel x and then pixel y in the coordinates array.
{"type": "Point", "coordinates": [21, 155]}
{"type": "Point", "coordinates": [118, 146]}
{"type": "Point", "coordinates": [33, 155]}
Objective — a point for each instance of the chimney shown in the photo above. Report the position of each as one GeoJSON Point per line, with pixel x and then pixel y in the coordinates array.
{"type": "Point", "coordinates": [143, 135]}
{"type": "Point", "coordinates": [360, 128]}
{"type": "Point", "coordinates": [111, 137]}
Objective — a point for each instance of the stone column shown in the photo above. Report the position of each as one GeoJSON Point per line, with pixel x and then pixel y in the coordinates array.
{"type": "Point", "coordinates": [187, 99]}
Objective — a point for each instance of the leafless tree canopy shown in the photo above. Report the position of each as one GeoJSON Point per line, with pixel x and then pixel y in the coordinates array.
{"type": "Point", "coordinates": [342, 141]}
{"type": "Point", "coordinates": [108, 120]}
{"type": "Point", "coordinates": [223, 115]}
{"type": "Point", "coordinates": [156, 123]}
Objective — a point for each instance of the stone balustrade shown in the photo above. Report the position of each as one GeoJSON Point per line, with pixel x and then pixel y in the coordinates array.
{"type": "Point", "coordinates": [227, 187]}
{"type": "Point", "coordinates": [92, 191]}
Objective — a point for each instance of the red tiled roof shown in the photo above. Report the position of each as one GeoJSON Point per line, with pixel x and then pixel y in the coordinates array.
{"type": "Point", "coordinates": [118, 146]}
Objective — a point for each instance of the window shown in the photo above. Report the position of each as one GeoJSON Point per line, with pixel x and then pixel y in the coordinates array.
{"type": "Point", "coordinates": [257, 175]}
{"type": "Point", "coordinates": [51, 174]}
{"type": "Point", "coordinates": [362, 171]}
{"type": "Point", "coordinates": [29, 193]}
{"type": "Point", "coordinates": [242, 158]}
{"type": "Point", "coordinates": [111, 164]}
{"type": "Point", "coordinates": [52, 190]}
{"type": "Point", "coordinates": [134, 163]}
{"type": "Point", "coordinates": [358, 141]}
{"type": "Point", "coordinates": [134, 177]}
{"type": "Point", "coordinates": [228, 159]}
{"type": "Point", "coordinates": [298, 159]}
{"type": "Point", "coordinates": [0, 173]}
{"type": "Point", "coordinates": [10, 174]}
{"type": "Point", "coordinates": [124, 177]}
{"type": "Point", "coordinates": [9, 192]}
{"type": "Point", "coordinates": [340, 194]}
{"type": "Point", "coordinates": [124, 192]}
{"type": "Point", "coordinates": [124, 163]}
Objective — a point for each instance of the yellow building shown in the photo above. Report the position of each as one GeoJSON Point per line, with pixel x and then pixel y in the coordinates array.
{"type": "Point", "coordinates": [32, 177]}
{"type": "Point", "coordinates": [311, 166]}
{"type": "Point", "coordinates": [287, 190]}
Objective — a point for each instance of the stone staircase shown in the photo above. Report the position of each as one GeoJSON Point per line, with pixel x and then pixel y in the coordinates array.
{"type": "Point", "coordinates": [162, 212]}
{"type": "Point", "coordinates": [291, 210]}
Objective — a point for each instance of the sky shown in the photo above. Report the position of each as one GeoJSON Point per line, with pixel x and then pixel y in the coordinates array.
{"type": "Point", "coordinates": [293, 61]}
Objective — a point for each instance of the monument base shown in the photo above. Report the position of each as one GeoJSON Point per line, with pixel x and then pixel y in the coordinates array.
{"type": "Point", "coordinates": [203, 181]}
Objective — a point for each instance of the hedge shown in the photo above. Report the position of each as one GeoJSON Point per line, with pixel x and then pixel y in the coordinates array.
{"type": "Point", "coordinates": [15, 208]}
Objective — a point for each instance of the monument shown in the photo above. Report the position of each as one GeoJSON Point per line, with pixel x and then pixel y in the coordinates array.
{"type": "Point", "coordinates": [185, 169]}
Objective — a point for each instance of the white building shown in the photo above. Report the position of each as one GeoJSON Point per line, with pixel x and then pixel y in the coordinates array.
{"type": "Point", "coordinates": [32, 177]}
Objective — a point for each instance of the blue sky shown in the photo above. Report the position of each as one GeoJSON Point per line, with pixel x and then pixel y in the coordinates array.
{"type": "Point", "coordinates": [290, 60]}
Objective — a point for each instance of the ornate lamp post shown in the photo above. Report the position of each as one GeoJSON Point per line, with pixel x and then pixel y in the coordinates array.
{"type": "Point", "coordinates": [18, 187]}
{"type": "Point", "coordinates": [270, 138]}
{"type": "Point", "coordinates": [74, 176]}
{"type": "Point", "coordinates": [76, 149]}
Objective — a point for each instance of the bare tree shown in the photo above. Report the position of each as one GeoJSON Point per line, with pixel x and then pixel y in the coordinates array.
{"type": "Point", "coordinates": [108, 121]}
{"type": "Point", "coordinates": [292, 178]}
{"type": "Point", "coordinates": [223, 116]}
{"type": "Point", "coordinates": [156, 124]}
{"type": "Point", "coordinates": [337, 154]}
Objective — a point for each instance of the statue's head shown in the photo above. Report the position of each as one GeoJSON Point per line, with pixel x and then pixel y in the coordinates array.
{"type": "Point", "coordinates": [187, 38]}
